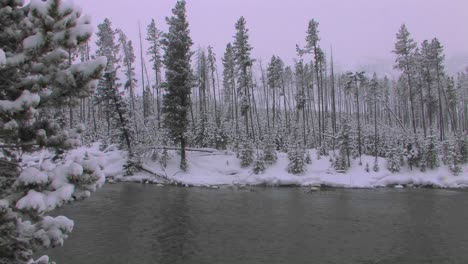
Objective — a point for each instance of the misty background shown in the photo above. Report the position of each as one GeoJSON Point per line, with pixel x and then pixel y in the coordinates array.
{"type": "Point", "coordinates": [362, 33]}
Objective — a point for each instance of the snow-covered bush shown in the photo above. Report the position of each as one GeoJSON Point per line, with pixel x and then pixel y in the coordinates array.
{"type": "Point", "coordinates": [394, 160]}
{"type": "Point", "coordinates": [376, 167]}
{"type": "Point", "coordinates": [453, 154]}
{"type": "Point", "coordinates": [296, 160]}
{"type": "Point", "coordinates": [259, 163]}
{"type": "Point", "coordinates": [431, 156]}
{"type": "Point", "coordinates": [269, 151]}
{"type": "Point", "coordinates": [246, 154]}
{"type": "Point", "coordinates": [308, 159]}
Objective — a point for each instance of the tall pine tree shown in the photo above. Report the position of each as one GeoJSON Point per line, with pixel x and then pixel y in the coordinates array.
{"type": "Point", "coordinates": [177, 43]}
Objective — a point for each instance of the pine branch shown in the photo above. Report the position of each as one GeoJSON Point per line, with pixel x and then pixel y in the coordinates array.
{"type": "Point", "coordinates": [11, 163]}
{"type": "Point", "coordinates": [18, 146]}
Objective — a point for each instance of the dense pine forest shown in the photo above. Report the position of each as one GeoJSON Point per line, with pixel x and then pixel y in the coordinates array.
{"type": "Point", "coordinates": [195, 98]}
{"type": "Point", "coordinates": [59, 90]}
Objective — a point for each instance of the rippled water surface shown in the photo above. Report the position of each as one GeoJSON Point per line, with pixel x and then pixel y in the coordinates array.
{"type": "Point", "coordinates": [135, 223]}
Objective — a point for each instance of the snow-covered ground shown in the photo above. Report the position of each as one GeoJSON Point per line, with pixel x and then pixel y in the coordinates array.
{"type": "Point", "coordinates": [223, 168]}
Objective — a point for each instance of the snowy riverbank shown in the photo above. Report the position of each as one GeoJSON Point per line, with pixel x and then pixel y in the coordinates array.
{"type": "Point", "coordinates": [223, 168]}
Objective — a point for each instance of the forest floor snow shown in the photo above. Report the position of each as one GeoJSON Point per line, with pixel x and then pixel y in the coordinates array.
{"type": "Point", "coordinates": [223, 168]}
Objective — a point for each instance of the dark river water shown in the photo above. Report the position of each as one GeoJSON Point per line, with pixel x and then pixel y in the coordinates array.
{"type": "Point", "coordinates": [135, 223]}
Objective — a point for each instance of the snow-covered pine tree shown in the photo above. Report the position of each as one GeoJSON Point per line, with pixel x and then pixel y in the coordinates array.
{"type": "Point", "coordinates": [119, 124]}
{"type": "Point", "coordinates": [461, 146]}
{"type": "Point", "coordinates": [177, 43]}
{"type": "Point", "coordinates": [431, 155]}
{"type": "Point", "coordinates": [375, 167]}
{"type": "Point", "coordinates": [308, 158]}
{"type": "Point", "coordinates": [405, 61]}
{"type": "Point", "coordinates": [342, 161]}
{"type": "Point", "coordinates": [128, 61]}
{"type": "Point", "coordinates": [269, 150]}
{"type": "Point", "coordinates": [246, 154]}
{"type": "Point", "coordinates": [36, 78]}
{"type": "Point", "coordinates": [296, 153]}
{"type": "Point", "coordinates": [241, 51]}
{"type": "Point", "coordinates": [230, 119]}
{"type": "Point", "coordinates": [259, 162]}
{"type": "Point", "coordinates": [154, 38]}
{"type": "Point", "coordinates": [354, 85]}
{"type": "Point", "coordinates": [454, 152]}
{"type": "Point", "coordinates": [211, 60]}
{"type": "Point", "coordinates": [274, 72]}
{"type": "Point", "coordinates": [296, 159]}
{"type": "Point", "coordinates": [107, 47]}
{"type": "Point", "coordinates": [201, 125]}
{"type": "Point", "coordinates": [394, 159]}
{"type": "Point", "coordinates": [414, 153]}
{"type": "Point", "coordinates": [221, 137]}
{"type": "Point", "coordinates": [454, 159]}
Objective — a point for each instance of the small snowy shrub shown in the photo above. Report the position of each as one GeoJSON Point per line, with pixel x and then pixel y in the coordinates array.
{"type": "Point", "coordinates": [269, 152]}
{"type": "Point", "coordinates": [376, 168]}
{"type": "Point", "coordinates": [259, 163]}
{"type": "Point", "coordinates": [308, 159]}
{"type": "Point", "coordinates": [393, 160]}
{"type": "Point", "coordinates": [296, 160]}
{"type": "Point", "coordinates": [246, 154]}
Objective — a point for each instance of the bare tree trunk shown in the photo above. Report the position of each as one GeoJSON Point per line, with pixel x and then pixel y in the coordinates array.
{"type": "Point", "coordinates": [265, 89]}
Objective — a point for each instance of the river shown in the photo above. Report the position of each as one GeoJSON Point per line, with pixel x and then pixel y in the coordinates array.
{"type": "Point", "coordinates": [136, 223]}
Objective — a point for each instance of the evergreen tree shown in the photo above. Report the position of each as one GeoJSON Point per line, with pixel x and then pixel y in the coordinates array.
{"type": "Point", "coordinates": [431, 155]}
{"type": "Point", "coordinates": [376, 167]}
{"type": "Point", "coordinates": [177, 43]}
{"type": "Point", "coordinates": [405, 50]}
{"type": "Point", "coordinates": [154, 38]}
{"type": "Point", "coordinates": [117, 113]}
{"type": "Point", "coordinates": [308, 159]}
{"type": "Point", "coordinates": [246, 153]}
{"type": "Point", "coordinates": [37, 76]}
{"type": "Point", "coordinates": [427, 73]}
{"type": "Point", "coordinates": [274, 77]}
{"type": "Point", "coordinates": [241, 50]}
{"type": "Point", "coordinates": [202, 123]}
{"type": "Point", "coordinates": [269, 150]}
{"type": "Point", "coordinates": [129, 66]}
{"type": "Point", "coordinates": [354, 84]}
{"type": "Point", "coordinates": [438, 58]}
{"type": "Point", "coordinates": [394, 160]}
{"type": "Point", "coordinates": [211, 60]}
{"type": "Point", "coordinates": [454, 157]}
{"type": "Point", "coordinates": [343, 162]}
{"type": "Point", "coordinates": [414, 154]}
{"type": "Point", "coordinates": [452, 101]}
{"type": "Point", "coordinates": [259, 163]}
{"type": "Point", "coordinates": [230, 106]}
{"type": "Point", "coordinates": [296, 159]}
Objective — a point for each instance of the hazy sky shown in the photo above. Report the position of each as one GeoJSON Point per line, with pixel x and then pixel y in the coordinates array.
{"type": "Point", "coordinates": [360, 31]}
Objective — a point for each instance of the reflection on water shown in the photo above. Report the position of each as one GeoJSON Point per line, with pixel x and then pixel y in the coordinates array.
{"type": "Point", "coordinates": [133, 223]}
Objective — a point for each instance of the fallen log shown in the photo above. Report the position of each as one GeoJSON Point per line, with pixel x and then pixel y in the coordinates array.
{"type": "Point", "coordinates": [160, 176]}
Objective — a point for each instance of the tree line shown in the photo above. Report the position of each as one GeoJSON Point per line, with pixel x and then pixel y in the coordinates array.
{"type": "Point", "coordinates": [305, 105]}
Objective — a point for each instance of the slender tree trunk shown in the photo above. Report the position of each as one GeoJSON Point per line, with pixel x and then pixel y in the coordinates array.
{"type": "Point", "coordinates": [265, 90]}
{"type": "Point", "coordinates": [359, 123]}
{"type": "Point", "coordinates": [183, 158]}
{"type": "Point", "coordinates": [441, 117]}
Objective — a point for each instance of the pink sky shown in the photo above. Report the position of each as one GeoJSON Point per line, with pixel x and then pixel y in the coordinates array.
{"type": "Point", "coordinates": [360, 31]}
